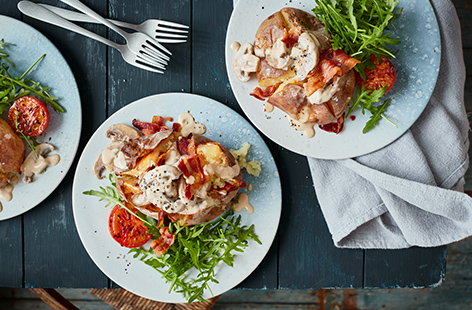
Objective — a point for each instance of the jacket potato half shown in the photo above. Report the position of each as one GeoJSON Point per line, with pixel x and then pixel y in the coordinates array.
{"type": "Point", "coordinates": [283, 41]}
{"type": "Point", "coordinates": [190, 179]}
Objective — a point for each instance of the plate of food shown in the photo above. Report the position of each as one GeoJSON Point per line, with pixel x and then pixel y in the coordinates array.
{"type": "Point", "coordinates": [176, 198]}
{"type": "Point", "coordinates": [40, 117]}
{"type": "Point", "coordinates": [333, 79]}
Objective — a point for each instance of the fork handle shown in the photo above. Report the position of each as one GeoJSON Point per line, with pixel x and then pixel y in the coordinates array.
{"type": "Point", "coordinates": [38, 12]}
{"type": "Point", "coordinates": [83, 18]}
{"type": "Point", "coordinates": [85, 9]}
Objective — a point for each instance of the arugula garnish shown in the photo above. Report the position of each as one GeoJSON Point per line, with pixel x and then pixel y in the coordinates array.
{"type": "Point", "coordinates": [362, 28]}
{"type": "Point", "coordinates": [12, 88]}
{"type": "Point", "coordinates": [369, 100]}
{"type": "Point", "coordinates": [202, 246]}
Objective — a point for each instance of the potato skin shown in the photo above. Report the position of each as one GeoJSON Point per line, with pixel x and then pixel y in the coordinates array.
{"type": "Point", "coordinates": [271, 29]}
{"type": "Point", "coordinates": [292, 99]}
{"type": "Point", "coordinates": [300, 21]}
{"type": "Point", "coordinates": [12, 152]}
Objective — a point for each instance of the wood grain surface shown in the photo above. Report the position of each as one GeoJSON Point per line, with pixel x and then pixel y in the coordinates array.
{"type": "Point", "coordinates": [42, 248]}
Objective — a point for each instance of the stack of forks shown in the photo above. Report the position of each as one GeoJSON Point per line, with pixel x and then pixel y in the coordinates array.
{"type": "Point", "coordinates": [143, 48]}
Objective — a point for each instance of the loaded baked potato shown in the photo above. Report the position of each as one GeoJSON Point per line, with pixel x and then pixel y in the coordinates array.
{"type": "Point", "coordinates": [297, 70]}
{"type": "Point", "coordinates": [174, 172]}
{"type": "Point", "coordinates": [12, 153]}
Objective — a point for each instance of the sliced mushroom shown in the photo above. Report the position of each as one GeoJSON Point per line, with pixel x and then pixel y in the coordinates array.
{"type": "Point", "coordinates": [37, 161]}
{"type": "Point", "coordinates": [121, 132]}
{"type": "Point", "coordinates": [245, 62]}
{"type": "Point", "coordinates": [106, 159]}
{"type": "Point", "coordinates": [99, 167]}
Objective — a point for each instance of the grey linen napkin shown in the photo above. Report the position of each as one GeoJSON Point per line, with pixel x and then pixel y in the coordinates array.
{"type": "Point", "coordinates": [408, 193]}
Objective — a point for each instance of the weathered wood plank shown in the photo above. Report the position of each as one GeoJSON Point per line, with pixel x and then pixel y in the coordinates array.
{"type": "Point", "coordinates": [270, 296]}
{"type": "Point", "coordinates": [54, 255]}
{"type": "Point", "coordinates": [413, 267]}
{"type": "Point", "coordinates": [68, 293]}
{"type": "Point", "coordinates": [127, 83]}
{"type": "Point", "coordinates": [11, 234]}
{"type": "Point", "coordinates": [307, 256]}
{"type": "Point", "coordinates": [464, 11]}
{"type": "Point", "coordinates": [255, 306]}
{"type": "Point", "coordinates": [11, 256]}
{"type": "Point", "coordinates": [12, 304]}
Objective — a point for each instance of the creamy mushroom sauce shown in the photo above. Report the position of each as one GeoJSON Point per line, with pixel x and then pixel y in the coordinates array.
{"type": "Point", "coordinates": [189, 125]}
{"type": "Point", "coordinates": [243, 203]}
{"type": "Point", "coordinates": [325, 94]}
{"type": "Point", "coordinates": [37, 161]}
{"type": "Point", "coordinates": [268, 107]}
{"type": "Point", "coordinates": [6, 192]}
{"type": "Point", "coordinates": [308, 129]}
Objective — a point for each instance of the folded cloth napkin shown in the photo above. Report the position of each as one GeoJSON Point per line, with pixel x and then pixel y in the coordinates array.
{"type": "Point", "coordinates": [408, 193]}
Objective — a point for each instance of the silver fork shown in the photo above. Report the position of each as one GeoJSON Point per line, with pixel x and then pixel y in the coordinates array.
{"type": "Point", "coordinates": [137, 42]}
{"type": "Point", "coordinates": [151, 27]}
{"type": "Point", "coordinates": [138, 60]}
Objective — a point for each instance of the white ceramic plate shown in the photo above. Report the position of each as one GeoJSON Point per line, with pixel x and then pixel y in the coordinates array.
{"type": "Point", "coordinates": [223, 125]}
{"type": "Point", "coordinates": [417, 67]}
{"type": "Point", "coordinates": [64, 129]}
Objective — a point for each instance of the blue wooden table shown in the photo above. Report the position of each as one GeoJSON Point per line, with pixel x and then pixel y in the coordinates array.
{"type": "Point", "coordinates": [42, 248]}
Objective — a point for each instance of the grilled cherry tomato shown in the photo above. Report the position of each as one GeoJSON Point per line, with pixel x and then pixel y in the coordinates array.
{"type": "Point", "coordinates": [382, 75]}
{"type": "Point", "coordinates": [126, 229]}
{"type": "Point", "coordinates": [30, 114]}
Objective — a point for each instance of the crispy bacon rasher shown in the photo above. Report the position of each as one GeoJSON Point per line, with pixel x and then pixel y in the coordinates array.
{"type": "Point", "coordinates": [162, 244]}
{"type": "Point", "coordinates": [192, 167]}
{"type": "Point", "coordinates": [333, 63]}
{"type": "Point", "coordinates": [146, 128]}
{"type": "Point", "coordinates": [263, 94]}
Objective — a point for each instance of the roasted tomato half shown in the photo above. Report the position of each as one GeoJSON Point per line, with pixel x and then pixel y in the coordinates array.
{"type": "Point", "coordinates": [126, 229]}
{"type": "Point", "coordinates": [30, 115]}
{"type": "Point", "coordinates": [383, 75]}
